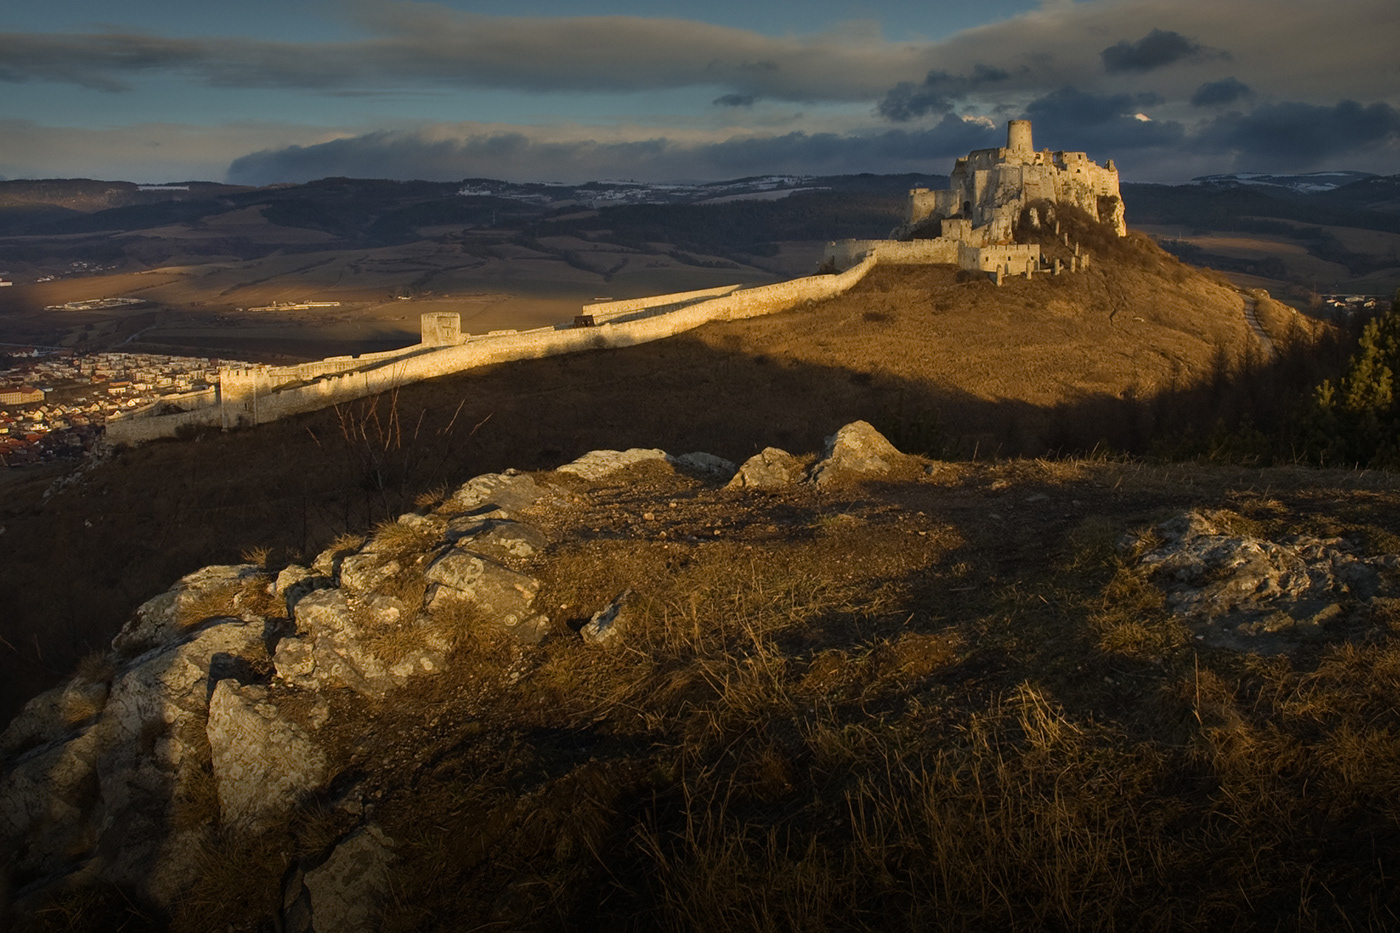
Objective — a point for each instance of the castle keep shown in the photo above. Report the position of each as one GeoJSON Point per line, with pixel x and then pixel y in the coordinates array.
{"type": "Point", "coordinates": [973, 221]}
{"type": "Point", "coordinates": [991, 186]}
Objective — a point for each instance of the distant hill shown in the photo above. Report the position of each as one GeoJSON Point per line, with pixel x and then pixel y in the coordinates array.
{"type": "Point", "coordinates": [1310, 183]}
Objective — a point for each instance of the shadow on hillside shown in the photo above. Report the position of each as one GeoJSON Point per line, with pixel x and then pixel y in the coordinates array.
{"type": "Point", "coordinates": [78, 563]}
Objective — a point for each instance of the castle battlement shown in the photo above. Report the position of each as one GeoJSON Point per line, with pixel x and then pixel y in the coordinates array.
{"type": "Point", "coordinates": [989, 187]}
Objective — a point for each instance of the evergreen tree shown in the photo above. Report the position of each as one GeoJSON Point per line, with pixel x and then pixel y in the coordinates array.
{"type": "Point", "coordinates": [1357, 421]}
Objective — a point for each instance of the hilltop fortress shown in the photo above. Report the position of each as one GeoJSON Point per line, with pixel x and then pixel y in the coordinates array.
{"type": "Point", "coordinates": [991, 186]}
{"type": "Point", "coordinates": [974, 221]}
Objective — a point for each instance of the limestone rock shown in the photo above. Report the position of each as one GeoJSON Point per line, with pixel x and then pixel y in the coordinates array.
{"type": "Point", "coordinates": [295, 661]}
{"type": "Point", "coordinates": [495, 495]}
{"type": "Point", "coordinates": [325, 609]}
{"type": "Point", "coordinates": [501, 539]}
{"type": "Point", "coordinates": [162, 618]}
{"type": "Point", "coordinates": [503, 597]}
{"type": "Point", "coordinates": [349, 890]}
{"type": "Point", "coordinates": [705, 465]}
{"type": "Point", "coordinates": [263, 762]}
{"type": "Point", "coordinates": [768, 469]}
{"type": "Point", "coordinates": [602, 630]}
{"type": "Point", "coordinates": [295, 581]}
{"type": "Point", "coordinates": [53, 713]}
{"type": "Point", "coordinates": [364, 572]}
{"type": "Point", "coordinates": [1235, 586]}
{"type": "Point", "coordinates": [47, 808]}
{"type": "Point", "coordinates": [854, 451]}
{"type": "Point", "coordinates": [597, 464]}
{"type": "Point", "coordinates": [113, 786]}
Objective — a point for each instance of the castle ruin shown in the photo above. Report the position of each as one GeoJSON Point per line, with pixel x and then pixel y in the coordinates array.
{"type": "Point", "coordinates": [976, 216]}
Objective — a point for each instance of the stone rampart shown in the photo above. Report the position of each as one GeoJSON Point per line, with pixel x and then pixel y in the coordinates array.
{"type": "Point", "coordinates": [1014, 259]}
{"type": "Point", "coordinates": [846, 253]}
{"type": "Point", "coordinates": [261, 394]}
{"type": "Point", "coordinates": [601, 310]}
{"type": "Point", "coordinates": [143, 424]}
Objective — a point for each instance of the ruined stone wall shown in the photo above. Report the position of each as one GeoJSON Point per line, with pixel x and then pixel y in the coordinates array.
{"type": "Point", "coordinates": [440, 328]}
{"type": "Point", "coordinates": [258, 395]}
{"type": "Point", "coordinates": [846, 253]}
{"type": "Point", "coordinates": [1014, 259]}
{"type": "Point", "coordinates": [142, 424]}
{"type": "Point", "coordinates": [989, 187]}
{"type": "Point", "coordinates": [606, 309]}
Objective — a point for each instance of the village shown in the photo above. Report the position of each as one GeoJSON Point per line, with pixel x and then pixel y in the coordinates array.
{"type": "Point", "coordinates": [54, 405]}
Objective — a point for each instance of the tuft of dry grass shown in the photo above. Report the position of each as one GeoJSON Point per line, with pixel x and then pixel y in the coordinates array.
{"type": "Point", "coordinates": [248, 596]}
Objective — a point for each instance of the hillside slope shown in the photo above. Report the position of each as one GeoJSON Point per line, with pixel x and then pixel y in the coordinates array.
{"type": "Point", "coordinates": [941, 366]}
{"type": "Point", "coordinates": [870, 692]}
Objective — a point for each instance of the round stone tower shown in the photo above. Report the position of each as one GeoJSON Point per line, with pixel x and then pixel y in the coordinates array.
{"type": "Point", "coordinates": [1018, 137]}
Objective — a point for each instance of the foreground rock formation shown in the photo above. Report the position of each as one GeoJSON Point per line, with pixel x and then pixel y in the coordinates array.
{"type": "Point", "coordinates": [230, 706]}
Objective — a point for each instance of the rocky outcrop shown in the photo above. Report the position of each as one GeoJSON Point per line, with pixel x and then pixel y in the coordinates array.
{"type": "Point", "coordinates": [263, 762]}
{"type": "Point", "coordinates": [771, 468]}
{"type": "Point", "coordinates": [210, 718]}
{"type": "Point", "coordinates": [1247, 590]}
{"type": "Point", "coordinates": [598, 464]}
{"type": "Point", "coordinates": [856, 451]}
{"type": "Point", "coordinates": [347, 893]}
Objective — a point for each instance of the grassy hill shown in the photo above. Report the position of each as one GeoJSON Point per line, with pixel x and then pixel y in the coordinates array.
{"type": "Point", "coordinates": [1138, 349]}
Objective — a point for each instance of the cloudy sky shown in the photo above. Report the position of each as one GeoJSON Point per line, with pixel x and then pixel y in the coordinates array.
{"type": "Point", "coordinates": [264, 91]}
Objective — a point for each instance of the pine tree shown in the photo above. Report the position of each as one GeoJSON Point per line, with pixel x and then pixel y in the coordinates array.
{"type": "Point", "coordinates": [1357, 421]}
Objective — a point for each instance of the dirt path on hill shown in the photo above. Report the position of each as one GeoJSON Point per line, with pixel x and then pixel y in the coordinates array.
{"type": "Point", "coordinates": [1251, 317]}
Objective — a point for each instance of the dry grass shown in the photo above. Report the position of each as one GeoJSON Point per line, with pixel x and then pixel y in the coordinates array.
{"type": "Point", "coordinates": [247, 596]}
{"type": "Point", "coordinates": [879, 709]}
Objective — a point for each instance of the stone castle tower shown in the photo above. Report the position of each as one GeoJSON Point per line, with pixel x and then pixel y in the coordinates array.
{"type": "Point", "coordinates": [990, 186]}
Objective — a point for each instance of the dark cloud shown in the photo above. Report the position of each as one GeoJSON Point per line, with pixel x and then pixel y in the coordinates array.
{"type": "Point", "coordinates": [735, 100]}
{"type": "Point", "coordinates": [938, 93]}
{"type": "Point", "coordinates": [1104, 124]}
{"type": "Point", "coordinates": [1294, 136]}
{"type": "Point", "coordinates": [100, 62]}
{"type": "Point", "coordinates": [1157, 49]}
{"type": "Point", "coordinates": [517, 156]}
{"type": "Point", "coordinates": [425, 44]}
{"type": "Point", "coordinates": [907, 101]}
{"type": "Point", "coordinates": [1220, 93]}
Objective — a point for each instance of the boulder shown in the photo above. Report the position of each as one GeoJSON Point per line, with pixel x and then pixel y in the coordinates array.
{"type": "Point", "coordinates": [295, 581]}
{"type": "Point", "coordinates": [295, 661]}
{"type": "Point", "coordinates": [706, 466]}
{"type": "Point", "coordinates": [1240, 585]}
{"type": "Point", "coordinates": [501, 539]}
{"type": "Point", "coordinates": [47, 806]}
{"type": "Point", "coordinates": [263, 762]}
{"type": "Point", "coordinates": [502, 597]}
{"type": "Point", "coordinates": [602, 630]}
{"type": "Point", "coordinates": [348, 892]}
{"type": "Point", "coordinates": [107, 794]}
{"type": "Point", "coordinates": [339, 655]}
{"type": "Point", "coordinates": [856, 451]}
{"type": "Point", "coordinates": [163, 618]}
{"type": "Point", "coordinates": [597, 464]}
{"type": "Point", "coordinates": [53, 713]}
{"type": "Point", "coordinates": [494, 495]}
{"type": "Point", "coordinates": [769, 469]}
{"type": "Point", "coordinates": [364, 572]}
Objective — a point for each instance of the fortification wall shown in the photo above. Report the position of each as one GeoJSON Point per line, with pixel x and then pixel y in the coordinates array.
{"type": "Point", "coordinates": [604, 309]}
{"type": "Point", "coordinates": [846, 253]}
{"type": "Point", "coordinates": [254, 397]}
{"type": "Point", "coordinates": [1015, 259]}
{"type": "Point", "coordinates": [142, 424]}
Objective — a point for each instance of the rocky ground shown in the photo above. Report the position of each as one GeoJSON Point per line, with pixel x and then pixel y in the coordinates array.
{"type": "Point", "coordinates": [846, 689]}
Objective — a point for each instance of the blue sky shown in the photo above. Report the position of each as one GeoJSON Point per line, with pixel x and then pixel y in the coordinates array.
{"type": "Point", "coordinates": [262, 91]}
